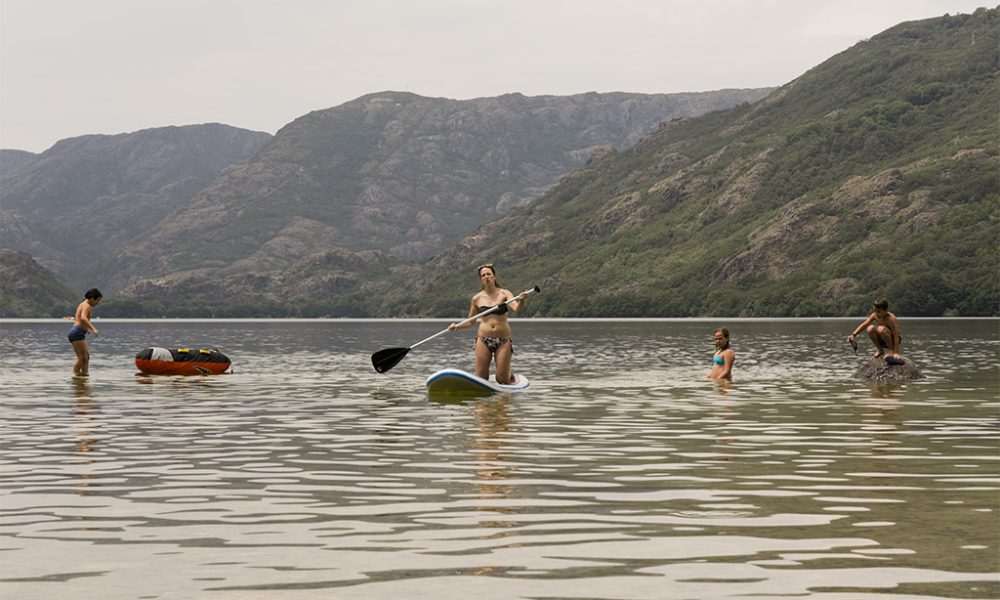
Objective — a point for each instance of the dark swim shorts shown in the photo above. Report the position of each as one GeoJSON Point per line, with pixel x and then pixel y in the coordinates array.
{"type": "Point", "coordinates": [76, 334]}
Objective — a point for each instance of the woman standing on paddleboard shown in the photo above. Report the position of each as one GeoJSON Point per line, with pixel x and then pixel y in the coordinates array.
{"type": "Point", "coordinates": [493, 339]}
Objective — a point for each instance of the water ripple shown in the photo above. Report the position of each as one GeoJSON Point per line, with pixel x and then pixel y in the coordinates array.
{"type": "Point", "coordinates": [621, 473]}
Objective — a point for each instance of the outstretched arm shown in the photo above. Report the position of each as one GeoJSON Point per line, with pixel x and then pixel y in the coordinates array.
{"type": "Point", "coordinates": [472, 313]}
{"type": "Point", "coordinates": [861, 327]}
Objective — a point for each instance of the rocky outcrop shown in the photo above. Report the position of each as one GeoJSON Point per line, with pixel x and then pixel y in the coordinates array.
{"type": "Point", "coordinates": [816, 221]}
{"type": "Point", "coordinates": [17, 234]}
{"type": "Point", "coordinates": [877, 370]}
{"type": "Point", "coordinates": [317, 277]}
{"type": "Point", "coordinates": [27, 289]}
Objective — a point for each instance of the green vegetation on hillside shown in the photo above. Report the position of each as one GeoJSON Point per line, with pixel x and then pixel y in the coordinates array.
{"type": "Point", "coordinates": [27, 289]}
{"type": "Point", "coordinates": [873, 174]}
{"type": "Point", "coordinates": [391, 172]}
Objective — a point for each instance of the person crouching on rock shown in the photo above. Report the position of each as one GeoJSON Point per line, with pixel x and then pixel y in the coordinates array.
{"type": "Point", "coordinates": [882, 328]}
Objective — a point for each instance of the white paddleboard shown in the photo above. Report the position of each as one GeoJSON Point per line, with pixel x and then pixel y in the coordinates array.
{"type": "Point", "coordinates": [457, 381]}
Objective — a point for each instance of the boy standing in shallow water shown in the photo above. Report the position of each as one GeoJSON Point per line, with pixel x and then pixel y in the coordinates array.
{"type": "Point", "coordinates": [81, 327]}
{"type": "Point", "coordinates": [883, 329]}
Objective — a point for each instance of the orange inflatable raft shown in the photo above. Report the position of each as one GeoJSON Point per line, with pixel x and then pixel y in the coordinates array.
{"type": "Point", "coordinates": [182, 361]}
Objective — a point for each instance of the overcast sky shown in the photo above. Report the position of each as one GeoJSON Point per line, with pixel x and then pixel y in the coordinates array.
{"type": "Point", "coordinates": [75, 67]}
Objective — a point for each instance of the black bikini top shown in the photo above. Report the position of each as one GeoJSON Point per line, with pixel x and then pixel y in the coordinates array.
{"type": "Point", "coordinates": [499, 311]}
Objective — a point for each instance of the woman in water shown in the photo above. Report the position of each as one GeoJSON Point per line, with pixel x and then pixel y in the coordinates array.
{"type": "Point", "coordinates": [722, 361]}
{"type": "Point", "coordinates": [81, 327]}
{"type": "Point", "coordinates": [493, 339]}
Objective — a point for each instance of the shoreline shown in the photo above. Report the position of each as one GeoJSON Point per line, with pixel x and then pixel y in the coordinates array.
{"type": "Point", "coordinates": [519, 319]}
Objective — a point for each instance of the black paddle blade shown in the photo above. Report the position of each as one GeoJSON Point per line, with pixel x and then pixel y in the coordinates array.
{"type": "Point", "coordinates": [854, 345]}
{"type": "Point", "coordinates": [383, 360]}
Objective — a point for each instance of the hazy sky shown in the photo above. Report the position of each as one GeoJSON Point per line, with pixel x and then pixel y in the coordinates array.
{"type": "Point", "coordinates": [74, 67]}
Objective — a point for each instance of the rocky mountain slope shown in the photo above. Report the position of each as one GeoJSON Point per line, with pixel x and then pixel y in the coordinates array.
{"type": "Point", "coordinates": [27, 289]}
{"type": "Point", "coordinates": [389, 172]}
{"type": "Point", "coordinates": [73, 205]}
{"type": "Point", "coordinates": [205, 212]}
{"type": "Point", "coordinates": [11, 159]}
{"type": "Point", "coordinates": [874, 173]}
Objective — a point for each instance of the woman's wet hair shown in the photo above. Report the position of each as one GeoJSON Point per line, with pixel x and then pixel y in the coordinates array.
{"type": "Point", "coordinates": [93, 294]}
{"type": "Point", "coordinates": [881, 304]}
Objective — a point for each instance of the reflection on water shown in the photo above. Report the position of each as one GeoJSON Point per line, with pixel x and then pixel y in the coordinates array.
{"type": "Point", "coordinates": [85, 440]}
{"type": "Point", "coordinates": [622, 472]}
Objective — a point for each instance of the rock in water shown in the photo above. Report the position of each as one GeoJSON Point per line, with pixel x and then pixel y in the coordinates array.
{"type": "Point", "coordinates": [876, 369]}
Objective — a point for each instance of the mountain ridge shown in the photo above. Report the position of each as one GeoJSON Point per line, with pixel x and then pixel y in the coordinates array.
{"type": "Point", "coordinates": [69, 204]}
{"type": "Point", "coordinates": [146, 212]}
{"type": "Point", "coordinates": [872, 174]}
{"type": "Point", "coordinates": [404, 174]}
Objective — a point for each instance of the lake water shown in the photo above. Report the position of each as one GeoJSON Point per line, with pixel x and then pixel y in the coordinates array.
{"type": "Point", "coordinates": [620, 474]}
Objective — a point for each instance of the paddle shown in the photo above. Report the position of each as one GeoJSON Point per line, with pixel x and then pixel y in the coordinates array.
{"type": "Point", "coordinates": [383, 360]}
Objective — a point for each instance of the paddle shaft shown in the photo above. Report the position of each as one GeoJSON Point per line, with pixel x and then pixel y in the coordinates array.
{"type": "Point", "coordinates": [475, 317]}
{"type": "Point", "coordinates": [383, 360]}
